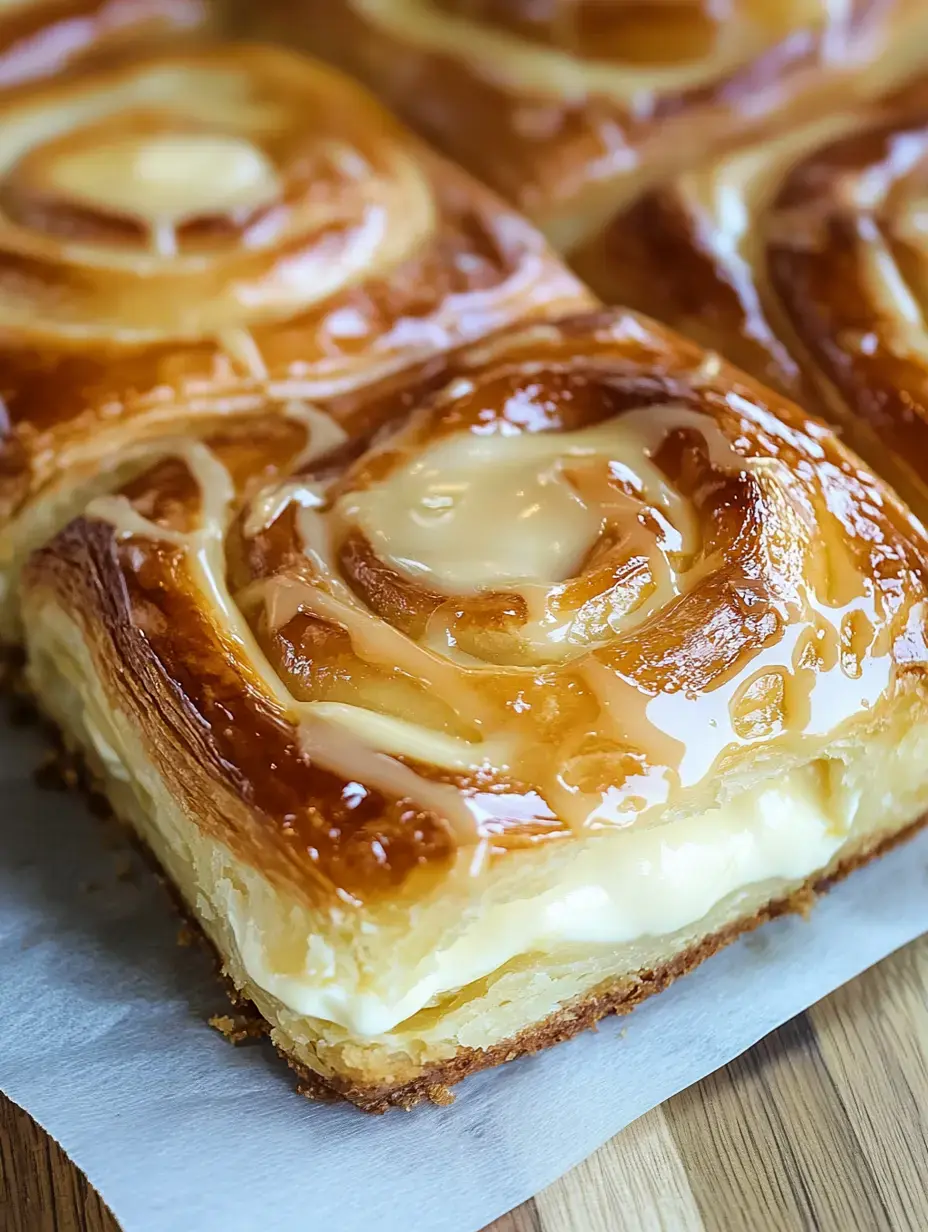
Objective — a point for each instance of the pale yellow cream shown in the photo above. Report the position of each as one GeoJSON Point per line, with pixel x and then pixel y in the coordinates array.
{"type": "Point", "coordinates": [166, 178]}
{"type": "Point", "coordinates": [613, 890]}
{"type": "Point", "coordinates": [641, 883]}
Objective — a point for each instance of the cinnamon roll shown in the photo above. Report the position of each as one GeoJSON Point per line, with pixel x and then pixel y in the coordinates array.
{"type": "Point", "coordinates": [39, 38]}
{"type": "Point", "coordinates": [206, 234]}
{"type": "Point", "coordinates": [569, 107]}
{"type": "Point", "coordinates": [493, 718]}
{"type": "Point", "coordinates": [803, 260]}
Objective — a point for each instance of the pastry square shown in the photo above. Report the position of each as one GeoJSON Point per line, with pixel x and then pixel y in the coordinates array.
{"type": "Point", "coordinates": [575, 659]}
{"type": "Point", "coordinates": [803, 259]}
{"type": "Point", "coordinates": [571, 109]}
{"type": "Point", "coordinates": [219, 232]}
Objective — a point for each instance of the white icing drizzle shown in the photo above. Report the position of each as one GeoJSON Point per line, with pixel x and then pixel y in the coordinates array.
{"type": "Point", "coordinates": [203, 545]}
{"type": "Point", "coordinates": [333, 746]}
{"type": "Point", "coordinates": [521, 512]}
{"type": "Point", "coordinates": [323, 434]}
{"type": "Point", "coordinates": [728, 197]}
{"type": "Point", "coordinates": [618, 749]}
{"type": "Point", "coordinates": [488, 481]}
{"type": "Point", "coordinates": [267, 507]}
{"type": "Point", "coordinates": [482, 512]}
{"type": "Point", "coordinates": [374, 640]}
{"type": "Point", "coordinates": [330, 745]}
{"type": "Point", "coordinates": [240, 344]}
{"type": "Point", "coordinates": [393, 735]}
{"type": "Point", "coordinates": [315, 188]}
{"type": "Point", "coordinates": [898, 311]}
{"type": "Point", "coordinates": [559, 73]}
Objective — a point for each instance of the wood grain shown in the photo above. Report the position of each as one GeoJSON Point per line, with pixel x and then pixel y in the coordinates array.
{"type": "Point", "coordinates": [823, 1126]}
{"type": "Point", "coordinates": [40, 1189]}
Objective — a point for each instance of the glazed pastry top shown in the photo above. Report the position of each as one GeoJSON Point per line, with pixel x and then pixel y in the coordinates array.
{"type": "Point", "coordinates": [204, 232]}
{"type": "Point", "coordinates": [39, 38]}
{"type": "Point", "coordinates": [803, 259]}
{"type": "Point", "coordinates": [595, 572]}
{"type": "Point", "coordinates": [570, 108]}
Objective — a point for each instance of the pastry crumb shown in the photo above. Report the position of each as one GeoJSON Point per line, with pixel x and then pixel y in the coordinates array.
{"type": "Point", "coordinates": [318, 1093]}
{"type": "Point", "coordinates": [235, 1028]}
{"type": "Point", "coordinates": [803, 901]}
{"type": "Point", "coordinates": [440, 1095]}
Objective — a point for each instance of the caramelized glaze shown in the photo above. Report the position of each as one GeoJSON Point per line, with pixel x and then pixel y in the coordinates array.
{"type": "Point", "coordinates": [39, 38]}
{"type": "Point", "coordinates": [317, 248]}
{"type": "Point", "coordinates": [572, 108]}
{"type": "Point", "coordinates": [804, 260]}
{"type": "Point", "coordinates": [388, 672]}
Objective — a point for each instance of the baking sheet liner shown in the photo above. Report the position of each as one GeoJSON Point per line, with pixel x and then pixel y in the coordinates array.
{"type": "Point", "coordinates": [104, 1039]}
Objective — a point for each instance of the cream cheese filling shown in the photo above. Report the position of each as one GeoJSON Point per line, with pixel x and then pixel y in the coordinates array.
{"type": "Point", "coordinates": [621, 887]}
{"type": "Point", "coordinates": [610, 889]}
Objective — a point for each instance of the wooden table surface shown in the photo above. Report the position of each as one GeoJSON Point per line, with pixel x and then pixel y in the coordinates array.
{"type": "Point", "coordinates": [824, 1126]}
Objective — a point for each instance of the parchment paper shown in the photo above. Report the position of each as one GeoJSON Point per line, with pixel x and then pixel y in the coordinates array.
{"type": "Point", "coordinates": [104, 1039]}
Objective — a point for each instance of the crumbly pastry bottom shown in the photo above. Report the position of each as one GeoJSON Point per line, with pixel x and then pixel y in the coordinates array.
{"type": "Point", "coordinates": [581, 1014]}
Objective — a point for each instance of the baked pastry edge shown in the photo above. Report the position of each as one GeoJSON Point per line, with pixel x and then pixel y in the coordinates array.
{"type": "Point", "coordinates": [582, 1013]}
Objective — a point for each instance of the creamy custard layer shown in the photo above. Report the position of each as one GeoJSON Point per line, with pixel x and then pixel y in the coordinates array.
{"type": "Point", "coordinates": [619, 889]}
{"type": "Point", "coordinates": [369, 973]}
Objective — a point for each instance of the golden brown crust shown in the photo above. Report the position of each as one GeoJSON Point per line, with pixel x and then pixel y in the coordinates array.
{"type": "Point", "coordinates": [747, 597]}
{"type": "Point", "coordinates": [803, 260]}
{"type": "Point", "coordinates": [39, 38]}
{"type": "Point", "coordinates": [583, 1013]}
{"type": "Point", "coordinates": [335, 252]}
{"type": "Point", "coordinates": [278, 666]}
{"type": "Point", "coordinates": [846, 260]}
{"type": "Point", "coordinates": [661, 255]}
{"type": "Point", "coordinates": [650, 87]}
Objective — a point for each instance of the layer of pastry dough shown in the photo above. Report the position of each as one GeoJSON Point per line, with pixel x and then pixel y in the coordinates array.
{"type": "Point", "coordinates": [571, 110]}
{"type": "Point", "coordinates": [803, 259]}
{"type": "Point", "coordinates": [211, 234]}
{"type": "Point", "coordinates": [375, 994]}
{"type": "Point", "coordinates": [425, 790]}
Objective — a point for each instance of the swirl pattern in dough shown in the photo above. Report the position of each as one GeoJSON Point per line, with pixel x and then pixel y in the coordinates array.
{"type": "Point", "coordinates": [590, 571]}
{"type": "Point", "coordinates": [41, 38]}
{"type": "Point", "coordinates": [803, 259]}
{"type": "Point", "coordinates": [570, 107]}
{"type": "Point", "coordinates": [204, 233]}
{"type": "Point", "coordinates": [492, 717]}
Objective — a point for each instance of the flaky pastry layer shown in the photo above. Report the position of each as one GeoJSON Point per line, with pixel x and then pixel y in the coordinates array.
{"type": "Point", "coordinates": [538, 996]}
{"type": "Point", "coordinates": [571, 110]}
{"type": "Point", "coordinates": [429, 788]}
{"type": "Point", "coordinates": [801, 258]}
{"type": "Point", "coordinates": [201, 236]}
